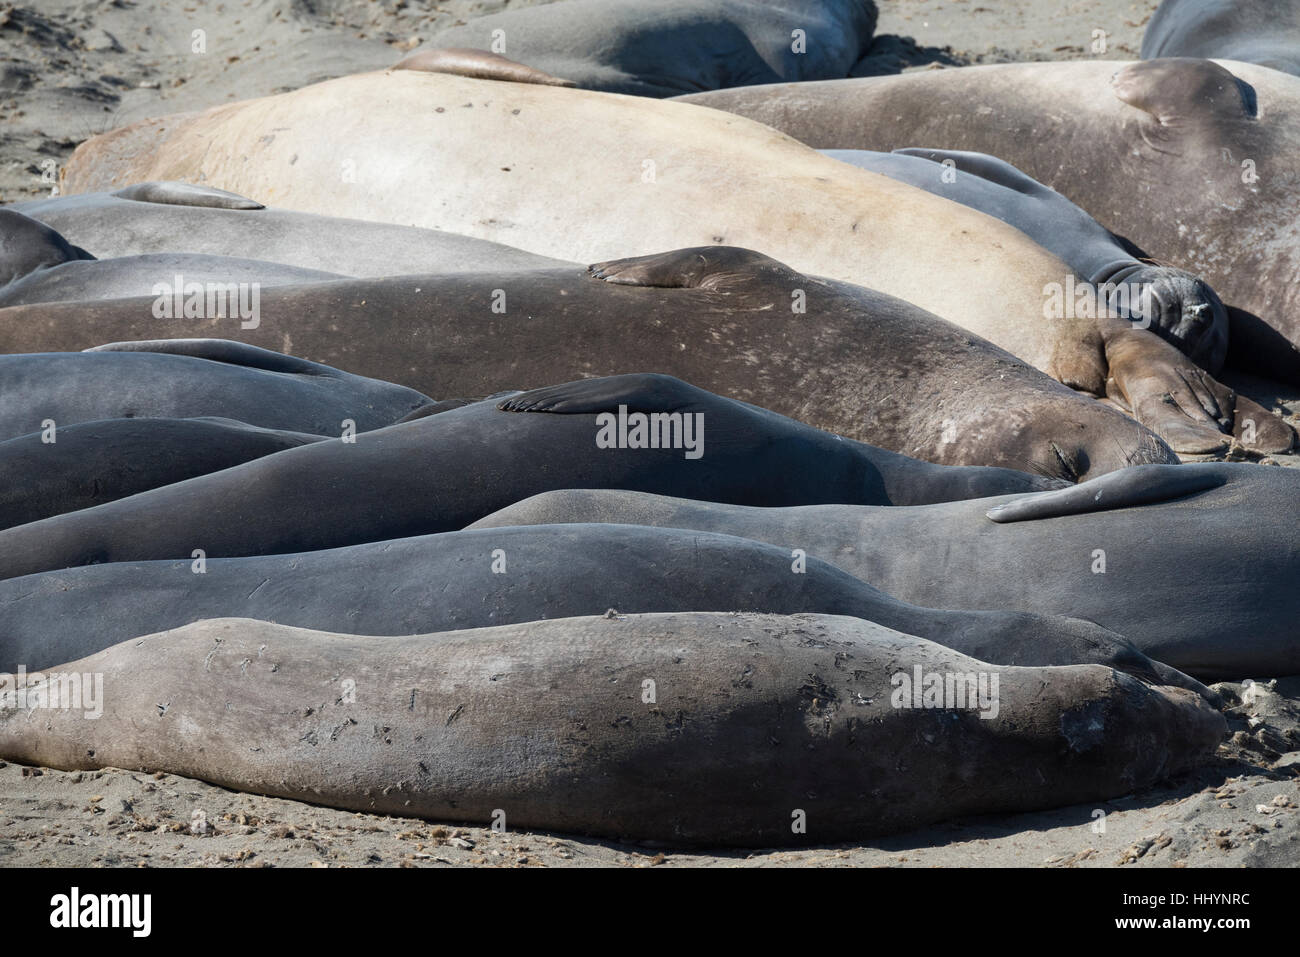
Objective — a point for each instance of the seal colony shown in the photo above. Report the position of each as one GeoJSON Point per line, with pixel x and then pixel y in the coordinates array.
{"type": "Point", "coordinates": [506, 433]}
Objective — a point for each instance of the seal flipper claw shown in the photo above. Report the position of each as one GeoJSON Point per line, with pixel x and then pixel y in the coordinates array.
{"type": "Point", "coordinates": [175, 193]}
{"type": "Point", "coordinates": [639, 392]}
{"type": "Point", "coordinates": [715, 268]}
{"type": "Point", "coordinates": [1138, 485]}
{"type": "Point", "coordinates": [222, 350]}
{"type": "Point", "coordinates": [478, 65]}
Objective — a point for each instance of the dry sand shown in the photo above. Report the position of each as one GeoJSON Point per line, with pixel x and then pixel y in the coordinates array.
{"type": "Point", "coordinates": [71, 69]}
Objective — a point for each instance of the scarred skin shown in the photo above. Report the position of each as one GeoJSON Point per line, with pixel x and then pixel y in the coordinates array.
{"type": "Point", "coordinates": [1192, 161]}
{"type": "Point", "coordinates": [854, 361]}
{"type": "Point", "coordinates": [1197, 562]}
{"type": "Point", "coordinates": [753, 719]}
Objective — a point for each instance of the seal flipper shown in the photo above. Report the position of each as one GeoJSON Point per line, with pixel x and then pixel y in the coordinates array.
{"type": "Point", "coordinates": [715, 268]}
{"type": "Point", "coordinates": [1170, 394]}
{"type": "Point", "coordinates": [1184, 88]}
{"type": "Point", "coordinates": [1137, 485]}
{"type": "Point", "coordinates": [984, 166]}
{"type": "Point", "coordinates": [639, 392]}
{"type": "Point", "coordinates": [27, 244]}
{"type": "Point", "coordinates": [174, 193]}
{"type": "Point", "coordinates": [223, 350]}
{"type": "Point", "coordinates": [476, 64]}
{"type": "Point", "coordinates": [1260, 430]}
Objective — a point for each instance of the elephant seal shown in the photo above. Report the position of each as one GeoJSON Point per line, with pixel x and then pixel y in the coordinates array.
{"type": "Point", "coordinates": [501, 576]}
{"type": "Point", "coordinates": [27, 246]}
{"type": "Point", "coordinates": [691, 728]}
{"type": "Point", "coordinates": [174, 217]}
{"type": "Point", "coordinates": [1266, 32]}
{"type": "Point", "coordinates": [684, 176]}
{"type": "Point", "coordinates": [1191, 161]}
{"type": "Point", "coordinates": [651, 433]}
{"type": "Point", "coordinates": [97, 462]}
{"type": "Point", "coordinates": [1177, 305]}
{"type": "Point", "coordinates": [1190, 562]}
{"type": "Point", "coordinates": [833, 355]}
{"type": "Point", "coordinates": [86, 278]}
{"type": "Point", "coordinates": [664, 49]}
{"type": "Point", "coordinates": [184, 378]}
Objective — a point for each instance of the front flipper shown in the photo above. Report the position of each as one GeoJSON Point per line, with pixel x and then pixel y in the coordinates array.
{"type": "Point", "coordinates": [1181, 402]}
{"type": "Point", "coordinates": [1137, 485]}
{"type": "Point", "coordinates": [1259, 430]}
{"type": "Point", "coordinates": [1184, 89]}
{"type": "Point", "coordinates": [223, 350]}
{"type": "Point", "coordinates": [639, 392]}
{"type": "Point", "coordinates": [714, 268]}
{"type": "Point", "coordinates": [174, 193]}
{"type": "Point", "coordinates": [476, 64]}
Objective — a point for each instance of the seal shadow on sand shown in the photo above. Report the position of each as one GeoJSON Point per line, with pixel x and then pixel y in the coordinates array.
{"type": "Point", "coordinates": [890, 53]}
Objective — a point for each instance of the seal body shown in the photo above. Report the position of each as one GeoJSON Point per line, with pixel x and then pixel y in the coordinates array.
{"type": "Point", "coordinates": [1190, 160]}
{"type": "Point", "coordinates": [184, 378]}
{"type": "Point", "coordinates": [1193, 563]}
{"type": "Point", "coordinates": [499, 576]}
{"type": "Point", "coordinates": [1266, 32]}
{"type": "Point", "coordinates": [441, 472]}
{"type": "Point", "coordinates": [748, 730]}
{"type": "Point", "coordinates": [833, 355]}
{"type": "Point", "coordinates": [101, 461]}
{"type": "Point", "coordinates": [169, 218]}
{"type": "Point", "coordinates": [670, 47]}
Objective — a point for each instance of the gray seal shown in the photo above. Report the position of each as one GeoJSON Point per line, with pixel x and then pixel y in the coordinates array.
{"type": "Point", "coordinates": [1266, 32]}
{"type": "Point", "coordinates": [662, 49]}
{"type": "Point", "coordinates": [689, 728]}
{"type": "Point", "coordinates": [500, 576]}
{"type": "Point", "coordinates": [186, 378]}
{"type": "Point", "coordinates": [1194, 563]}
{"type": "Point", "coordinates": [173, 217]}
{"type": "Point", "coordinates": [440, 472]}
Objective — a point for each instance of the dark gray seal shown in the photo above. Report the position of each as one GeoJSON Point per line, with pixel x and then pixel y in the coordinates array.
{"type": "Point", "coordinates": [500, 576]}
{"type": "Point", "coordinates": [751, 730]}
{"type": "Point", "coordinates": [1266, 32]}
{"type": "Point", "coordinates": [1196, 564]}
{"type": "Point", "coordinates": [1174, 303]}
{"type": "Point", "coordinates": [66, 272]}
{"type": "Point", "coordinates": [666, 48]}
{"type": "Point", "coordinates": [172, 217]}
{"type": "Point", "coordinates": [187, 378]}
{"type": "Point", "coordinates": [97, 462]}
{"type": "Point", "coordinates": [834, 355]}
{"type": "Point", "coordinates": [441, 472]}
